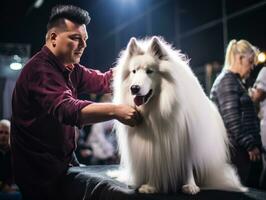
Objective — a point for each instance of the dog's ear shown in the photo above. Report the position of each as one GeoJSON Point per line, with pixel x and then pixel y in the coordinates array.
{"type": "Point", "coordinates": [133, 48]}
{"type": "Point", "coordinates": [156, 48]}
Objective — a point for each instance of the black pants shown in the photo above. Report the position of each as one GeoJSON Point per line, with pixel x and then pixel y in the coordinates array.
{"type": "Point", "coordinates": [41, 191]}
{"type": "Point", "coordinates": [248, 171]}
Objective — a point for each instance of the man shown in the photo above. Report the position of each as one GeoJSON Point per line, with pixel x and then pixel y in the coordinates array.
{"type": "Point", "coordinates": [46, 108]}
{"type": "Point", "coordinates": [5, 162]}
{"type": "Point", "coordinates": [7, 187]}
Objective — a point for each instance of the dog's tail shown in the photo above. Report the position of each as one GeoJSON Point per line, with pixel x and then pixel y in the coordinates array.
{"type": "Point", "coordinates": [224, 178]}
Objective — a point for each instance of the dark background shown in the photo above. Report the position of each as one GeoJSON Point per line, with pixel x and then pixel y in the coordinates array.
{"type": "Point", "coordinates": [193, 26]}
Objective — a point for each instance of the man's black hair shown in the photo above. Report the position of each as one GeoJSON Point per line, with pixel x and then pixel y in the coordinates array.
{"type": "Point", "coordinates": [70, 12]}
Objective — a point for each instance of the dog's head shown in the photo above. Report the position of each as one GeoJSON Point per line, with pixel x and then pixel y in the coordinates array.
{"type": "Point", "coordinates": [143, 72]}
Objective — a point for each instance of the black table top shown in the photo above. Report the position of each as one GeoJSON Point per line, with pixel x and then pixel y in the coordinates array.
{"type": "Point", "coordinates": [91, 182]}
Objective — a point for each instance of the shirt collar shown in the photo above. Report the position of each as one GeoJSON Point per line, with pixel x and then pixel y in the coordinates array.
{"type": "Point", "coordinates": [63, 68]}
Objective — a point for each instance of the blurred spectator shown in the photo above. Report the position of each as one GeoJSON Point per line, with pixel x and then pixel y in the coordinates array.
{"type": "Point", "coordinates": [83, 151]}
{"type": "Point", "coordinates": [258, 95]}
{"type": "Point", "coordinates": [97, 144]}
{"type": "Point", "coordinates": [8, 190]}
{"type": "Point", "coordinates": [238, 110]}
{"type": "Point", "coordinates": [103, 143]}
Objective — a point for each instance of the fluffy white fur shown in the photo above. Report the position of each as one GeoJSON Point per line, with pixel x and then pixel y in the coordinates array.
{"type": "Point", "coordinates": [182, 142]}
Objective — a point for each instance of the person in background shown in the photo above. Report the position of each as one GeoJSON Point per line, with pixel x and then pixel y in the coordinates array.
{"type": "Point", "coordinates": [102, 140]}
{"type": "Point", "coordinates": [8, 189]}
{"type": "Point", "coordinates": [83, 150]}
{"type": "Point", "coordinates": [46, 110]}
{"type": "Point", "coordinates": [258, 95]}
{"type": "Point", "coordinates": [97, 144]}
{"type": "Point", "coordinates": [237, 109]}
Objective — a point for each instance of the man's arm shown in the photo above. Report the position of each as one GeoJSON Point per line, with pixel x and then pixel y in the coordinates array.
{"type": "Point", "coordinates": [93, 81]}
{"type": "Point", "coordinates": [55, 97]}
{"type": "Point", "coordinates": [98, 112]}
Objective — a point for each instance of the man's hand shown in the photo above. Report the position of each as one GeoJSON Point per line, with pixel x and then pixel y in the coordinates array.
{"type": "Point", "coordinates": [127, 115]}
{"type": "Point", "coordinates": [99, 112]}
{"type": "Point", "coordinates": [254, 154]}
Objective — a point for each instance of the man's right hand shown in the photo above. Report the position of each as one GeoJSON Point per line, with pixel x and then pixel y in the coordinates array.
{"type": "Point", "coordinates": [127, 115]}
{"type": "Point", "coordinates": [99, 112]}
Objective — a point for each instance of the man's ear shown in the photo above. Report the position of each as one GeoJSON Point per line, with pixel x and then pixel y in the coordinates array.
{"type": "Point", "coordinates": [133, 48]}
{"type": "Point", "coordinates": [156, 48]}
{"type": "Point", "coordinates": [53, 37]}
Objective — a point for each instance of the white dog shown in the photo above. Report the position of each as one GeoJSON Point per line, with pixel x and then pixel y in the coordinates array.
{"type": "Point", "coordinates": [182, 142]}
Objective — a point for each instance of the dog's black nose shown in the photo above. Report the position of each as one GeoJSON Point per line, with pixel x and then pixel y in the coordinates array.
{"type": "Point", "coordinates": [134, 89]}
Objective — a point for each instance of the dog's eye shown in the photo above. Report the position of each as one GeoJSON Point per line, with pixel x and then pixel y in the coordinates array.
{"type": "Point", "coordinates": [149, 71]}
{"type": "Point", "coordinates": [134, 71]}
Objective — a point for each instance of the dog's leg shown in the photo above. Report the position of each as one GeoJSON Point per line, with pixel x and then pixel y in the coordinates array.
{"type": "Point", "coordinates": [148, 189]}
{"type": "Point", "coordinates": [190, 186]}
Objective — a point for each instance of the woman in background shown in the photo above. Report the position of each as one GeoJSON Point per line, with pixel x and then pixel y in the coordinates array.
{"type": "Point", "coordinates": [237, 109]}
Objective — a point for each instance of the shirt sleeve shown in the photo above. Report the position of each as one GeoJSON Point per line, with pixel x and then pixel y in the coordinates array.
{"type": "Point", "coordinates": [94, 81]}
{"type": "Point", "coordinates": [228, 96]}
{"type": "Point", "coordinates": [49, 89]}
{"type": "Point", "coordinates": [261, 80]}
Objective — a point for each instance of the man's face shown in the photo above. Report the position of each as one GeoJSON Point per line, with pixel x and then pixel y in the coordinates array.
{"type": "Point", "coordinates": [4, 136]}
{"type": "Point", "coordinates": [71, 43]}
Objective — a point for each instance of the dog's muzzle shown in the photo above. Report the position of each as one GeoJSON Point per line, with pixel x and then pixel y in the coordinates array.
{"type": "Point", "coordinates": [139, 100]}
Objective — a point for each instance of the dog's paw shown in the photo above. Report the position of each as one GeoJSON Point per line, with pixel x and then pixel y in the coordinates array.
{"type": "Point", "coordinates": [244, 189]}
{"type": "Point", "coordinates": [190, 189]}
{"type": "Point", "coordinates": [148, 189]}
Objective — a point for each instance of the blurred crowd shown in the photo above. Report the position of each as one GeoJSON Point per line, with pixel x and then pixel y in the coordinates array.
{"type": "Point", "coordinates": [97, 143]}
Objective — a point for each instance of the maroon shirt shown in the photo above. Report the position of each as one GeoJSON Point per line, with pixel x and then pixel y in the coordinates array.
{"type": "Point", "coordinates": [45, 110]}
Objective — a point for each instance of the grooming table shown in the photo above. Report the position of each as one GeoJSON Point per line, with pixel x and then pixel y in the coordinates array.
{"type": "Point", "coordinates": [92, 183]}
